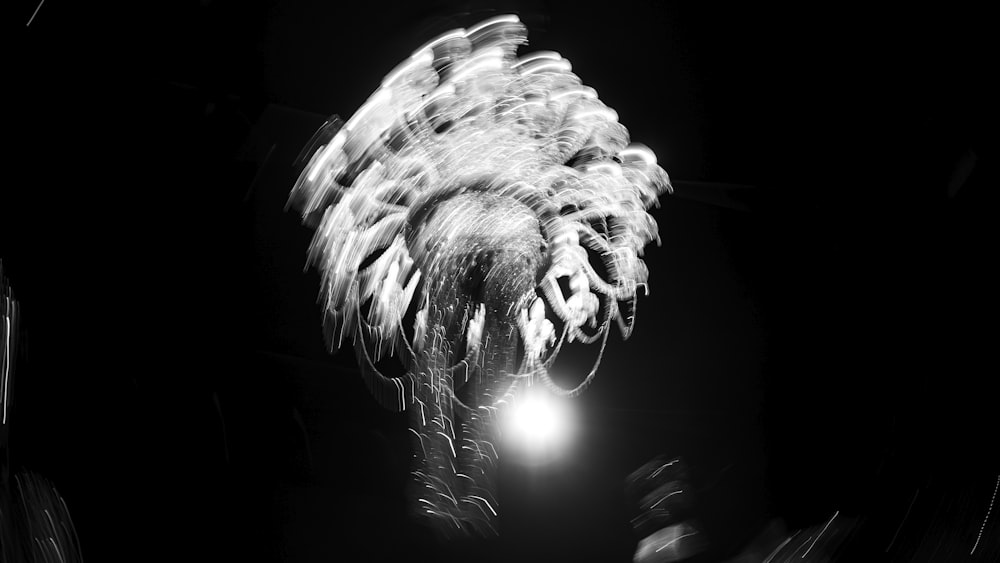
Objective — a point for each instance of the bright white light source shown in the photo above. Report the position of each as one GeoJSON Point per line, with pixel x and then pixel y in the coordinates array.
{"type": "Point", "coordinates": [539, 425]}
{"type": "Point", "coordinates": [536, 420]}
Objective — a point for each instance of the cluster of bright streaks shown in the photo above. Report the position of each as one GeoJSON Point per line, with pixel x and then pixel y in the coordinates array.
{"type": "Point", "coordinates": [462, 191]}
{"type": "Point", "coordinates": [35, 524]}
{"type": "Point", "coordinates": [8, 347]}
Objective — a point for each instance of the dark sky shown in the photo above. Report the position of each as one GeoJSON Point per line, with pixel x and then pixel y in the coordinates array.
{"type": "Point", "coordinates": [811, 342]}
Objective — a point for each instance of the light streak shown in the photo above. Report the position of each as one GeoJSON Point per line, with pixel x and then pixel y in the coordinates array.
{"type": "Point", "coordinates": [905, 516]}
{"type": "Point", "coordinates": [450, 443]}
{"type": "Point", "coordinates": [820, 534]}
{"type": "Point", "coordinates": [6, 362]}
{"type": "Point", "coordinates": [665, 497]}
{"type": "Point", "coordinates": [675, 540]}
{"type": "Point", "coordinates": [800, 546]}
{"type": "Point", "coordinates": [443, 38]}
{"type": "Point", "coordinates": [47, 531]}
{"type": "Point", "coordinates": [987, 517]}
{"type": "Point", "coordinates": [486, 502]}
{"type": "Point", "coordinates": [537, 55]}
{"type": "Point", "coordinates": [780, 546]}
{"type": "Point", "coordinates": [35, 13]}
{"type": "Point", "coordinates": [504, 18]}
{"type": "Point", "coordinates": [9, 313]}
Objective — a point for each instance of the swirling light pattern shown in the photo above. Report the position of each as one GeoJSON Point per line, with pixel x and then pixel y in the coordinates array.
{"type": "Point", "coordinates": [461, 194]}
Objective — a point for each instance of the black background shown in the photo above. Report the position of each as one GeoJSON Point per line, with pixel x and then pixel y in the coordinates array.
{"type": "Point", "coordinates": [817, 337]}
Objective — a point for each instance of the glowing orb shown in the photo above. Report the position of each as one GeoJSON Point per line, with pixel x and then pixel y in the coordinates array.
{"type": "Point", "coordinates": [538, 426]}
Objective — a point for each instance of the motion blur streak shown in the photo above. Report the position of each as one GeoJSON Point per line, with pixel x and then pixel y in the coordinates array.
{"type": "Point", "coordinates": [660, 496]}
{"type": "Point", "coordinates": [8, 344]}
{"type": "Point", "coordinates": [987, 517]}
{"type": "Point", "coordinates": [35, 525]}
{"type": "Point", "coordinates": [462, 194]}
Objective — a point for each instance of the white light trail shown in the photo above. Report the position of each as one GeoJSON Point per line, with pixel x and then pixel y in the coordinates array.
{"type": "Point", "coordinates": [820, 534]}
{"type": "Point", "coordinates": [987, 517]}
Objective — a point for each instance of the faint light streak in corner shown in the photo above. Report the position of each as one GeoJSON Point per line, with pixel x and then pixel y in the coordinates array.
{"type": "Point", "coordinates": [907, 515]}
{"type": "Point", "coordinates": [35, 13]}
{"type": "Point", "coordinates": [988, 511]}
